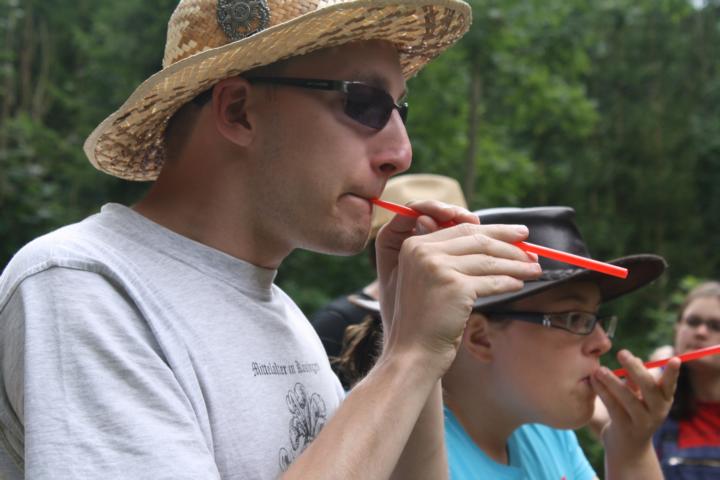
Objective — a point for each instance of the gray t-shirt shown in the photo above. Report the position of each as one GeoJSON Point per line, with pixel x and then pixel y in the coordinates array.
{"type": "Point", "coordinates": [129, 351]}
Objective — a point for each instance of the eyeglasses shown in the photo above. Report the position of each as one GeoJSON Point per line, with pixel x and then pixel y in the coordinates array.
{"type": "Point", "coordinates": [579, 323]}
{"type": "Point", "coordinates": [694, 321]}
{"type": "Point", "coordinates": [368, 105]}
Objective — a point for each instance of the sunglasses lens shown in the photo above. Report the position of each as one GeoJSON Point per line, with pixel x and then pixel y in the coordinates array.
{"type": "Point", "coordinates": [370, 106]}
{"type": "Point", "coordinates": [403, 111]}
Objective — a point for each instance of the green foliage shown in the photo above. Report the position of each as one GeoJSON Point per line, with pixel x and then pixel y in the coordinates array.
{"type": "Point", "coordinates": [63, 69]}
{"type": "Point", "coordinates": [612, 107]}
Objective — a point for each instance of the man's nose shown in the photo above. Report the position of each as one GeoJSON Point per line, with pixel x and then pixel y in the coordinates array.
{"type": "Point", "coordinates": [394, 151]}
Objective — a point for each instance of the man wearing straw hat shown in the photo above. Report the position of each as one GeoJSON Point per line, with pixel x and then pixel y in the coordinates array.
{"type": "Point", "coordinates": [151, 342]}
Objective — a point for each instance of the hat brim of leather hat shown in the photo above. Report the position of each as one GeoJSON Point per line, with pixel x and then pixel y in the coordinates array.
{"type": "Point", "coordinates": [642, 270]}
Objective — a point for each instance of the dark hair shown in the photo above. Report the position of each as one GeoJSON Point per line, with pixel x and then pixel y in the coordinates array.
{"type": "Point", "coordinates": [361, 347]}
{"type": "Point", "coordinates": [362, 342]}
{"type": "Point", "coordinates": [684, 405]}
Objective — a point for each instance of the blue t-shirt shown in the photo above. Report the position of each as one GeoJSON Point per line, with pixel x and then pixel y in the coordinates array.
{"type": "Point", "coordinates": [536, 452]}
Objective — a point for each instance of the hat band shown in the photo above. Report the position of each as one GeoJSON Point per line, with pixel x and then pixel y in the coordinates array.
{"type": "Point", "coordinates": [242, 18]}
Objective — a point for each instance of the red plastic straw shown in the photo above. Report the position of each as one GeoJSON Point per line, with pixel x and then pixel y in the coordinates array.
{"type": "Point", "coordinates": [584, 262]}
{"type": "Point", "coordinates": [685, 357]}
{"type": "Point", "coordinates": [558, 255]}
{"type": "Point", "coordinates": [405, 211]}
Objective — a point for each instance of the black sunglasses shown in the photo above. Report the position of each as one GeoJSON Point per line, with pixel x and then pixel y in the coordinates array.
{"type": "Point", "coordinates": [368, 105]}
{"type": "Point", "coordinates": [579, 323]}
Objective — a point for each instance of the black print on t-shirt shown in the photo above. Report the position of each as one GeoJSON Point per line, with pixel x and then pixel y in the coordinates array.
{"type": "Point", "coordinates": [292, 368]}
{"type": "Point", "coordinates": [308, 418]}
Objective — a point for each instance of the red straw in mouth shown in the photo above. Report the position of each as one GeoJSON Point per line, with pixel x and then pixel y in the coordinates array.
{"type": "Point", "coordinates": [558, 255]}
{"type": "Point", "coordinates": [685, 357]}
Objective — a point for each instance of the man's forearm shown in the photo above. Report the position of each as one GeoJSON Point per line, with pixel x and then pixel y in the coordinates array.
{"type": "Point", "coordinates": [367, 435]}
{"type": "Point", "coordinates": [424, 456]}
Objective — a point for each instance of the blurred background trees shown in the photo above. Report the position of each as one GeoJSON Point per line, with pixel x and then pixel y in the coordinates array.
{"type": "Point", "coordinates": [612, 107]}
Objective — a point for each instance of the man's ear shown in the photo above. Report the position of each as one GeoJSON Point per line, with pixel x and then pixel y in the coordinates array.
{"type": "Point", "coordinates": [230, 110]}
{"type": "Point", "coordinates": [477, 339]}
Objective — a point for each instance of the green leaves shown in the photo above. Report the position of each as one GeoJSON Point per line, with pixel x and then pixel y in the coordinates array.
{"type": "Point", "coordinates": [612, 107]}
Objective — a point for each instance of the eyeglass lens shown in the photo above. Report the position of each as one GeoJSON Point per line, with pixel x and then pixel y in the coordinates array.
{"type": "Point", "coordinates": [712, 324]}
{"type": "Point", "coordinates": [583, 323]}
{"type": "Point", "coordinates": [579, 323]}
{"type": "Point", "coordinates": [371, 106]}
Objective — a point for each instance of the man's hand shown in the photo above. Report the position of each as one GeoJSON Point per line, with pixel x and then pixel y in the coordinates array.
{"type": "Point", "coordinates": [430, 277]}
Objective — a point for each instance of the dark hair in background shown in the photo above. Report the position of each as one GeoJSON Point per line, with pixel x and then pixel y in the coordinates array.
{"type": "Point", "coordinates": [362, 342]}
{"type": "Point", "coordinates": [684, 405]}
{"type": "Point", "coordinates": [362, 345]}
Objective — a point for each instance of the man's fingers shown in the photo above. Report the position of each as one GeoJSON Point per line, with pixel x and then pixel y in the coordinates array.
{"type": "Point", "coordinates": [444, 214]}
{"type": "Point", "coordinates": [482, 265]}
{"type": "Point", "coordinates": [506, 233]}
{"type": "Point", "coordinates": [432, 215]}
{"type": "Point", "coordinates": [492, 240]}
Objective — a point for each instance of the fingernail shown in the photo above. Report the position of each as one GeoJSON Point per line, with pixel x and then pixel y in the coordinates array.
{"type": "Point", "coordinates": [521, 229]}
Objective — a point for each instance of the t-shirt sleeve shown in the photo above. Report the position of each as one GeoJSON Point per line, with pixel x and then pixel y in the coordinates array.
{"type": "Point", "coordinates": [582, 470]}
{"type": "Point", "coordinates": [86, 391]}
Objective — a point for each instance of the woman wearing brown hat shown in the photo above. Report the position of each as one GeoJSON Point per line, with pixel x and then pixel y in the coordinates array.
{"type": "Point", "coordinates": [528, 370]}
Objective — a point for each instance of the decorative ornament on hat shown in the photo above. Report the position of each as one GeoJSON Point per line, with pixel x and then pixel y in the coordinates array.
{"type": "Point", "coordinates": [242, 18]}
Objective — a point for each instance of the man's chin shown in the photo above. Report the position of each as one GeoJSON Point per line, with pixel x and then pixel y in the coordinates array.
{"type": "Point", "coordinates": [341, 245]}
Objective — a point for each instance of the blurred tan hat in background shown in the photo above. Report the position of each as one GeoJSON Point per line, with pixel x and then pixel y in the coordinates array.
{"type": "Point", "coordinates": [416, 186]}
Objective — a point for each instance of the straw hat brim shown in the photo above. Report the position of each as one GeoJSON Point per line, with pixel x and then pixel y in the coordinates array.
{"type": "Point", "coordinates": [129, 143]}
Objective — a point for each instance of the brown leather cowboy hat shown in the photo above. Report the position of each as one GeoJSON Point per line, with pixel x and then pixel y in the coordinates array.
{"type": "Point", "coordinates": [555, 227]}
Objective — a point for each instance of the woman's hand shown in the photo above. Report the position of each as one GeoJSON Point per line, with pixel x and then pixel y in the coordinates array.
{"type": "Point", "coordinates": [637, 407]}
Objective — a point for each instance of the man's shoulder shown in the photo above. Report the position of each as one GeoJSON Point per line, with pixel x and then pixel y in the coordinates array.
{"type": "Point", "coordinates": [71, 241]}
{"type": "Point", "coordinates": [80, 246]}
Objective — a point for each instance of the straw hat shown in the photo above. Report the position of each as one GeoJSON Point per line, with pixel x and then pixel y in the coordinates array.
{"type": "Point", "coordinates": [416, 186]}
{"type": "Point", "coordinates": [209, 40]}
